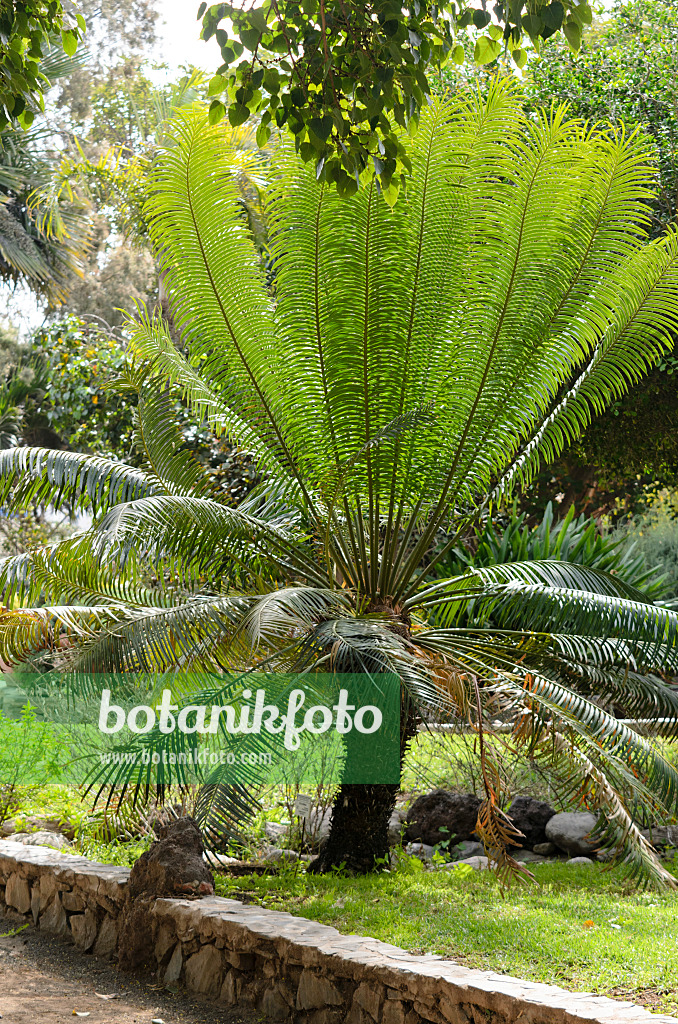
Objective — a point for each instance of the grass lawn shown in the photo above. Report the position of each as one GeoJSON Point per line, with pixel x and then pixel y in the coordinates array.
{"type": "Point", "coordinates": [586, 929]}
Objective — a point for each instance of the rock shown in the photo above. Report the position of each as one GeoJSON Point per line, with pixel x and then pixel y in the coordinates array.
{"type": "Point", "coordinates": [84, 928]}
{"type": "Point", "coordinates": [17, 894]}
{"type": "Point", "coordinates": [662, 837]}
{"type": "Point", "coordinates": [219, 860]}
{"type": "Point", "coordinates": [579, 861]}
{"type": "Point", "coordinates": [526, 857]}
{"type": "Point", "coordinates": [316, 992]}
{"type": "Point", "coordinates": [274, 831]}
{"type": "Point", "coordinates": [477, 863]}
{"type": "Point", "coordinates": [278, 856]}
{"type": "Point", "coordinates": [73, 901]}
{"type": "Point", "coordinates": [454, 813]}
{"type": "Point", "coordinates": [173, 971]}
{"type": "Point", "coordinates": [205, 972]}
{"type": "Point", "coordinates": [54, 919]}
{"type": "Point", "coordinates": [274, 1005]}
{"type": "Point", "coordinates": [107, 938]}
{"type": "Point", "coordinates": [530, 817]}
{"type": "Point", "coordinates": [468, 849]}
{"type": "Point", "coordinates": [420, 850]}
{"type": "Point", "coordinates": [545, 849]}
{"type": "Point", "coordinates": [569, 831]}
{"type": "Point", "coordinates": [44, 838]}
{"type": "Point", "coordinates": [174, 867]}
{"type": "Point", "coordinates": [395, 829]}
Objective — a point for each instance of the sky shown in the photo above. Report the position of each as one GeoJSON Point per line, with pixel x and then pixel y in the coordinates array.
{"type": "Point", "coordinates": [180, 41]}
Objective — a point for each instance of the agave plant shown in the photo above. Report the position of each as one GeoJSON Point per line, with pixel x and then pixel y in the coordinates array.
{"type": "Point", "coordinates": [412, 366]}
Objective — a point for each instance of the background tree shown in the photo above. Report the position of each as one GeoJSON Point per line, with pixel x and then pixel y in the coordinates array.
{"type": "Point", "coordinates": [29, 29]}
{"type": "Point", "coordinates": [346, 77]}
{"type": "Point", "coordinates": [626, 73]}
{"type": "Point", "coordinates": [408, 374]}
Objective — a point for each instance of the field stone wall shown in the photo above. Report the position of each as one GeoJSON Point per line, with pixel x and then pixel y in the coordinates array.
{"type": "Point", "coordinates": [284, 967]}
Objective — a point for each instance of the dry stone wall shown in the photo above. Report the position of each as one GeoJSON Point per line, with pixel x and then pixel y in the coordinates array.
{"type": "Point", "coordinates": [284, 967]}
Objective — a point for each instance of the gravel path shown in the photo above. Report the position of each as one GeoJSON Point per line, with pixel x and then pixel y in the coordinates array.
{"type": "Point", "coordinates": [44, 980]}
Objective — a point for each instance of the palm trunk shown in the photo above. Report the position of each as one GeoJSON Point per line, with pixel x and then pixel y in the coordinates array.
{"type": "Point", "coordinates": [358, 836]}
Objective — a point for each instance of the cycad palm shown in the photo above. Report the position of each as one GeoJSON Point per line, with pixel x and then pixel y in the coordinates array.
{"type": "Point", "coordinates": [414, 365]}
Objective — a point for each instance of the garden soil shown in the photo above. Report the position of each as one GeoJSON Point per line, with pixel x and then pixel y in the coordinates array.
{"type": "Point", "coordinates": [44, 980]}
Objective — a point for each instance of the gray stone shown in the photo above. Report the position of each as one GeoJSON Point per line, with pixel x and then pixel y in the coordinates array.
{"type": "Point", "coordinates": [72, 901]}
{"type": "Point", "coordinates": [231, 989]}
{"type": "Point", "coordinates": [173, 972]}
{"type": "Point", "coordinates": [54, 920]}
{"type": "Point", "coordinates": [278, 856]}
{"type": "Point", "coordinates": [570, 831]}
{"type": "Point", "coordinates": [18, 894]}
{"type": "Point", "coordinates": [394, 1013]}
{"type": "Point", "coordinates": [44, 838]}
{"type": "Point", "coordinates": [35, 903]}
{"type": "Point", "coordinates": [526, 857]}
{"type": "Point", "coordinates": [579, 862]}
{"type": "Point", "coordinates": [477, 863]}
{"type": "Point", "coordinates": [274, 831]}
{"type": "Point", "coordinates": [370, 999]}
{"type": "Point", "coordinates": [107, 938]}
{"type": "Point", "coordinates": [315, 992]}
{"type": "Point", "coordinates": [545, 849]}
{"type": "Point", "coordinates": [468, 848]}
{"type": "Point", "coordinates": [662, 837]}
{"type": "Point", "coordinates": [204, 972]}
{"type": "Point", "coordinates": [84, 929]}
{"type": "Point", "coordinates": [274, 1005]}
{"type": "Point", "coordinates": [219, 860]}
{"type": "Point", "coordinates": [421, 850]}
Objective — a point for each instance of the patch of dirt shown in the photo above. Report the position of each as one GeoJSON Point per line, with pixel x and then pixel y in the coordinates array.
{"type": "Point", "coordinates": [656, 1000]}
{"type": "Point", "coordinates": [43, 980]}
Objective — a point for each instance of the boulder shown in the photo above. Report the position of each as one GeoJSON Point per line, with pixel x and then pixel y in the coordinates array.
{"type": "Point", "coordinates": [574, 862]}
{"type": "Point", "coordinates": [477, 863]}
{"type": "Point", "coordinates": [662, 837]}
{"type": "Point", "coordinates": [44, 838]}
{"type": "Point", "coordinates": [526, 856]}
{"type": "Point", "coordinates": [420, 850]}
{"type": "Point", "coordinates": [174, 866]}
{"type": "Point", "coordinates": [545, 849]}
{"type": "Point", "coordinates": [530, 817]}
{"type": "Point", "coordinates": [441, 816]}
{"type": "Point", "coordinates": [280, 856]}
{"type": "Point", "coordinates": [570, 832]}
{"type": "Point", "coordinates": [467, 849]}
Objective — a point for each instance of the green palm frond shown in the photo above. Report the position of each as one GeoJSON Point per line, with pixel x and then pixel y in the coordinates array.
{"type": "Point", "coordinates": [49, 477]}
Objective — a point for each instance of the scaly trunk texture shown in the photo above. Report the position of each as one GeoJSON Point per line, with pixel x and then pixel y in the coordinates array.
{"type": "Point", "coordinates": [358, 836]}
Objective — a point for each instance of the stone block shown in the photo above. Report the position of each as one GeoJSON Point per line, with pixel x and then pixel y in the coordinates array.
{"type": "Point", "coordinates": [394, 1012]}
{"type": "Point", "coordinates": [370, 998]}
{"type": "Point", "coordinates": [53, 920]}
{"type": "Point", "coordinates": [165, 941]}
{"type": "Point", "coordinates": [107, 939]}
{"type": "Point", "coordinates": [315, 992]}
{"type": "Point", "coordinates": [173, 971]}
{"type": "Point", "coordinates": [452, 1012]}
{"type": "Point", "coordinates": [17, 893]}
{"type": "Point", "coordinates": [84, 929]}
{"type": "Point", "coordinates": [72, 901]}
{"type": "Point", "coordinates": [274, 1005]}
{"type": "Point", "coordinates": [231, 989]}
{"type": "Point", "coordinates": [205, 972]}
{"type": "Point", "coordinates": [35, 903]}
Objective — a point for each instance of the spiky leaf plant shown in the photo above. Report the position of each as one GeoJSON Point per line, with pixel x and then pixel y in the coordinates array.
{"type": "Point", "coordinates": [413, 365]}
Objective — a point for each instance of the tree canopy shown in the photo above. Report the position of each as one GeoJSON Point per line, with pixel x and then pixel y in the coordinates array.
{"type": "Point", "coordinates": [347, 77]}
{"type": "Point", "coordinates": [28, 30]}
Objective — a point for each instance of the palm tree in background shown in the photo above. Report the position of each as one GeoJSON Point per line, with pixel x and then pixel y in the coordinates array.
{"type": "Point", "coordinates": [412, 367]}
